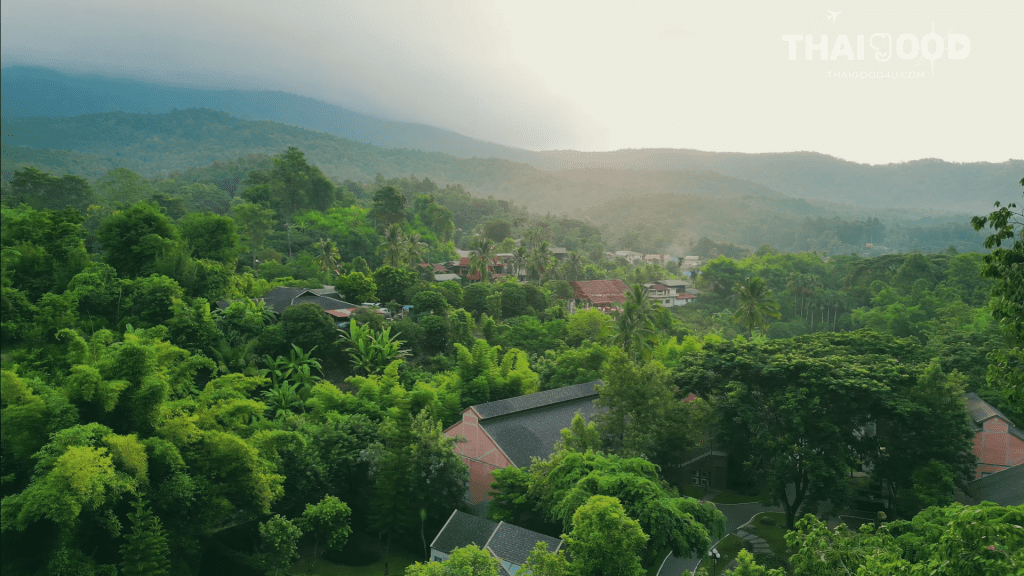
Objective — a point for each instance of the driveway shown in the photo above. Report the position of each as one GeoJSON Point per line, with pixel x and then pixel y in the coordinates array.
{"type": "Point", "coordinates": [736, 515]}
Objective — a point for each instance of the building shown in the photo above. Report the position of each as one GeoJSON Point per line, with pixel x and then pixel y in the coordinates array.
{"type": "Point", "coordinates": [998, 444]}
{"type": "Point", "coordinates": [629, 256]}
{"type": "Point", "coordinates": [668, 293]}
{"type": "Point", "coordinates": [510, 544]}
{"type": "Point", "coordinates": [514, 431]}
{"type": "Point", "coordinates": [606, 295]}
{"type": "Point", "coordinates": [462, 268]}
{"type": "Point", "coordinates": [447, 277]}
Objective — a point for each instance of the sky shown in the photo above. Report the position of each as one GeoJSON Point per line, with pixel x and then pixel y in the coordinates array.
{"type": "Point", "coordinates": [591, 76]}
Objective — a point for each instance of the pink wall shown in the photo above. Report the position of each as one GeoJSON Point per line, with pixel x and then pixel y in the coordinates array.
{"type": "Point", "coordinates": [480, 453]}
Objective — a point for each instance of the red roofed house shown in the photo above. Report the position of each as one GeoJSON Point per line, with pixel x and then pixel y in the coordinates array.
{"type": "Point", "coordinates": [496, 268]}
{"type": "Point", "coordinates": [998, 444]}
{"type": "Point", "coordinates": [603, 294]}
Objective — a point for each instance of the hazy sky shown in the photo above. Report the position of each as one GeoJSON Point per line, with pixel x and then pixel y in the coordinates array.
{"type": "Point", "coordinates": [584, 75]}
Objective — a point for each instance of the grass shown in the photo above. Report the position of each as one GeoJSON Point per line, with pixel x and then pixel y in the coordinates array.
{"type": "Point", "coordinates": [400, 560]}
{"type": "Point", "coordinates": [736, 498]}
{"type": "Point", "coordinates": [729, 547]}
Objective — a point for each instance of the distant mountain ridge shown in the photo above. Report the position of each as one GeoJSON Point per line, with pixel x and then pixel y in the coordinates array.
{"type": "Point", "coordinates": [921, 184]}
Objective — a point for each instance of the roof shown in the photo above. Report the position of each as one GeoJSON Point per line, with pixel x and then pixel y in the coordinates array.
{"type": "Point", "coordinates": [462, 530]}
{"type": "Point", "coordinates": [658, 287]}
{"type": "Point", "coordinates": [1003, 487]}
{"type": "Point", "coordinates": [283, 297]}
{"type": "Point", "coordinates": [445, 277]}
{"type": "Point", "coordinates": [685, 296]}
{"type": "Point", "coordinates": [600, 291]}
{"type": "Point", "coordinates": [980, 410]}
{"type": "Point", "coordinates": [526, 428]}
{"type": "Point", "coordinates": [505, 541]}
{"type": "Point", "coordinates": [536, 400]}
{"type": "Point", "coordinates": [512, 543]}
{"type": "Point", "coordinates": [673, 283]}
{"type": "Point", "coordinates": [557, 250]}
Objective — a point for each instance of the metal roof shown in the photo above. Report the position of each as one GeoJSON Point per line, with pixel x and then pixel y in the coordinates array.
{"type": "Point", "coordinates": [981, 410]}
{"type": "Point", "coordinates": [504, 541]}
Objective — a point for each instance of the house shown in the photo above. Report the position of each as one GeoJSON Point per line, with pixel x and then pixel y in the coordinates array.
{"type": "Point", "coordinates": [1005, 487]}
{"type": "Point", "coordinates": [327, 298]}
{"type": "Point", "coordinates": [514, 431]}
{"type": "Point", "coordinates": [629, 255]}
{"type": "Point", "coordinates": [998, 444]}
{"type": "Point", "coordinates": [461, 267]}
{"type": "Point", "coordinates": [509, 543]}
{"type": "Point", "coordinates": [558, 252]}
{"type": "Point", "coordinates": [447, 277]}
{"type": "Point", "coordinates": [660, 294]}
{"type": "Point", "coordinates": [606, 295]}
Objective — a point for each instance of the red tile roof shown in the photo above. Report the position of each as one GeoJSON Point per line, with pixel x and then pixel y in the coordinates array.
{"type": "Point", "coordinates": [600, 291]}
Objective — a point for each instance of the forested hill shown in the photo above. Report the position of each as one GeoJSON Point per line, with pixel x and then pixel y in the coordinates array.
{"type": "Point", "coordinates": [32, 91]}
{"type": "Point", "coordinates": [928, 183]}
{"type": "Point", "coordinates": [150, 143]}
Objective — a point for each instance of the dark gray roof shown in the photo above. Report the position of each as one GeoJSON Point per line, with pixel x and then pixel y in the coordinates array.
{"type": "Point", "coordinates": [534, 433]}
{"type": "Point", "coordinates": [1005, 487]}
{"type": "Point", "coordinates": [512, 543]}
{"type": "Point", "coordinates": [462, 530]}
{"type": "Point", "coordinates": [981, 410]}
{"type": "Point", "coordinates": [283, 297]}
{"type": "Point", "coordinates": [536, 400]}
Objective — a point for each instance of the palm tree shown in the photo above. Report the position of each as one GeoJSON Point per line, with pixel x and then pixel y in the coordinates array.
{"type": "Point", "coordinates": [393, 245]}
{"type": "Point", "coordinates": [520, 259]}
{"type": "Point", "coordinates": [574, 265]}
{"type": "Point", "coordinates": [415, 249]}
{"type": "Point", "coordinates": [482, 258]}
{"type": "Point", "coordinates": [540, 260]}
{"type": "Point", "coordinates": [635, 323]}
{"type": "Point", "coordinates": [327, 255]}
{"type": "Point", "coordinates": [754, 306]}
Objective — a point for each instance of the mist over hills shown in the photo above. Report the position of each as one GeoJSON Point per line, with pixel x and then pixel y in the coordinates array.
{"type": "Point", "coordinates": [928, 184]}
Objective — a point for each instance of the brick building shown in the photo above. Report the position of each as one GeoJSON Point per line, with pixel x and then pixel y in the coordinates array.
{"type": "Point", "coordinates": [998, 444]}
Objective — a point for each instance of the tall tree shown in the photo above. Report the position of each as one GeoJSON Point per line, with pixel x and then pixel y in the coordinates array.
{"type": "Point", "coordinates": [255, 222]}
{"type": "Point", "coordinates": [394, 245]}
{"type": "Point", "coordinates": [388, 207]}
{"type": "Point", "coordinates": [635, 323]}
{"type": "Point", "coordinates": [482, 259]}
{"type": "Point", "coordinates": [604, 541]}
{"type": "Point", "coordinates": [133, 239]}
{"type": "Point", "coordinates": [1006, 266]}
{"type": "Point", "coordinates": [755, 306]}
{"type": "Point", "coordinates": [145, 551]}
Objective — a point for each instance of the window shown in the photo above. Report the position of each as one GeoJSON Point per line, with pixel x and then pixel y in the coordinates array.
{"type": "Point", "coordinates": [698, 478]}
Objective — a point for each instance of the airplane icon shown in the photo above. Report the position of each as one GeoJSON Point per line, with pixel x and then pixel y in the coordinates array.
{"type": "Point", "coordinates": [832, 16]}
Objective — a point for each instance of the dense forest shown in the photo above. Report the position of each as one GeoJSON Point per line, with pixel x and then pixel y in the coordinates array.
{"type": "Point", "coordinates": [159, 417]}
{"type": "Point", "coordinates": [669, 208]}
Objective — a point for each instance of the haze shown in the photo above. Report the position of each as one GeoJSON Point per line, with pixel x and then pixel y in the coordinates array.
{"type": "Point", "coordinates": [574, 75]}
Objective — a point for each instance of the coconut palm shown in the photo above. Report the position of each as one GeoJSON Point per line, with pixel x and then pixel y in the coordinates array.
{"type": "Point", "coordinates": [540, 261]}
{"type": "Point", "coordinates": [393, 246]}
{"type": "Point", "coordinates": [327, 255]}
{"type": "Point", "coordinates": [635, 323]}
{"type": "Point", "coordinates": [574, 265]}
{"type": "Point", "coordinates": [482, 258]}
{"type": "Point", "coordinates": [415, 249]}
{"type": "Point", "coordinates": [754, 306]}
{"type": "Point", "coordinates": [519, 261]}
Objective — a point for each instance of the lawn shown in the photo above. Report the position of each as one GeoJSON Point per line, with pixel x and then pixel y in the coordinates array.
{"type": "Point", "coordinates": [729, 497]}
{"type": "Point", "coordinates": [773, 532]}
{"type": "Point", "coordinates": [400, 559]}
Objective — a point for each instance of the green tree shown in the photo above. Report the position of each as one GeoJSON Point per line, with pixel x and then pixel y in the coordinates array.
{"type": "Point", "coordinates": [41, 190]}
{"type": "Point", "coordinates": [466, 561]}
{"type": "Point", "coordinates": [371, 351]}
{"type": "Point", "coordinates": [540, 562]}
{"type": "Point", "coordinates": [1006, 267]}
{"type": "Point", "coordinates": [280, 543]}
{"type": "Point", "coordinates": [133, 238]}
{"type": "Point", "coordinates": [635, 323]}
{"type": "Point", "coordinates": [211, 236]}
{"type": "Point", "coordinates": [605, 541]}
{"type": "Point", "coordinates": [388, 207]}
{"type": "Point", "coordinates": [328, 520]}
{"type": "Point", "coordinates": [482, 258]}
{"type": "Point", "coordinates": [755, 306]}
{"type": "Point", "coordinates": [121, 187]}
{"type": "Point", "coordinates": [589, 325]}
{"type": "Point", "coordinates": [291, 187]}
{"type": "Point", "coordinates": [327, 256]}
{"type": "Point", "coordinates": [356, 287]}
{"type": "Point", "coordinates": [255, 222]}
{"type": "Point", "coordinates": [392, 283]}
{"type": "Point", "coordinates": [393, 246]}
{"type": "Point", "coordinates": [145, 551]}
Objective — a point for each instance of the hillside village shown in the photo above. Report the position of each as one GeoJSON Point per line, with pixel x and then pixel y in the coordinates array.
{"type": "Point", "coordinates": [317, 377]}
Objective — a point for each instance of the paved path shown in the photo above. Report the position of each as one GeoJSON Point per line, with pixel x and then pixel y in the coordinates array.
{"type": "Point", "coordinates": [736, 515]}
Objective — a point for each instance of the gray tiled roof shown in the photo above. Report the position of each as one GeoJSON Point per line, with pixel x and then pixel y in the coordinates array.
{"type": "Point", "coordinates": [534, 433]}
{"type": "Point", "coordinates": [536, 400]}
{"type": "Point", "coordinates": [283, 297]}
{"type": "Point", "coordinates": [462, 530]}
{"type": "Point", "coordinates": [512, 543]}
{"type": "Point", "coordinates": [1005, 487]}
{"type": "Point", "coordinates": [981, 410]}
